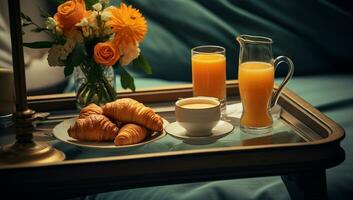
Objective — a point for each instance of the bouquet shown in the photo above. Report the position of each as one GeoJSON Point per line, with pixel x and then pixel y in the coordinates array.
{"type": "Point", "coordinates": [94, 37]}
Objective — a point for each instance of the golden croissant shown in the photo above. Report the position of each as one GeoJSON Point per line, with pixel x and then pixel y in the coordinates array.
{"type": "Point", "coordinates": [127, 110]}
{"type": "Point", "coordinates": [130, 134]}
{"type": "Point", "coordinates": [89, 110]}
{"type": "Point", "coordinates": [93, 128]}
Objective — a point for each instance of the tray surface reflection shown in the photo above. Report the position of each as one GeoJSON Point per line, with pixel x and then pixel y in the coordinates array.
{"type": "Point", "coordinates": [282, 133]}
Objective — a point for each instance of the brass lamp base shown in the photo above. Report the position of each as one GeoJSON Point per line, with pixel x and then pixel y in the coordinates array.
{"type": "Point", "coordinates": [30, 153]}
{"type": "Point", "coordinates": [25, 150]}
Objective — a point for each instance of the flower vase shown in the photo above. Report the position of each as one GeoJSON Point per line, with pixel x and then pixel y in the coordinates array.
{"type": "Point", "coordinates": [94, 84]}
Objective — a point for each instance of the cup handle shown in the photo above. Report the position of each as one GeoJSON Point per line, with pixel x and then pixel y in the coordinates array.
{"type": "Point", "coordinates": [290, 64]}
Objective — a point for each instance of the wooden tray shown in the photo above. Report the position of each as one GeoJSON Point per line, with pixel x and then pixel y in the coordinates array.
{"type": "Point", "coordinates": [301, 154]}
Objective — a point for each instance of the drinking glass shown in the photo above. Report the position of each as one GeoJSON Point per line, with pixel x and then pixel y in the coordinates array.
{"type": "Point", "coordinates": [209, 73]}
{"type": "Point", "coordinates": [256, 82]}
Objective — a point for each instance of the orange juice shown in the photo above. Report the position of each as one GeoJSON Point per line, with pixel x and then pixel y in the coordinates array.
{"type": "Point", "coordinates": [256, 80]}
{"type": "Point", "coordinates": [209, 75]}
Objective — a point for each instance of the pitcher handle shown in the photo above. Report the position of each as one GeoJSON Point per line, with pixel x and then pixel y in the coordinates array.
{"type": "Point", "coordinates": [290, 64]}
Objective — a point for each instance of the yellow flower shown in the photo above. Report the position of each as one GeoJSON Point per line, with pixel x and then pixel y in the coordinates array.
{"type": "Point", "coordinates": [128, 24]}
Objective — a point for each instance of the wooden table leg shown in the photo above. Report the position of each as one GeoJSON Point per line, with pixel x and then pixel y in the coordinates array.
{"type": "Point", "coordinates": [307, 184]}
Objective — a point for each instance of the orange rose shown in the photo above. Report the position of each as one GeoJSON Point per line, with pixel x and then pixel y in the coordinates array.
{"type": "Point", "coordinates": [69, 14]}
{"type": "Point", "coordinates": [106, 53]}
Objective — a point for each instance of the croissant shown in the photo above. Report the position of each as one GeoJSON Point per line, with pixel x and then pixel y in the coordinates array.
{"type": "Point", "coordinates": [89, 110]}
{"type": "Point", "coordinates": [127, 110]}
{"type": "Point", "coordinates": [93, 128]}
{"type": "Point", "coordinates": [130, 134]}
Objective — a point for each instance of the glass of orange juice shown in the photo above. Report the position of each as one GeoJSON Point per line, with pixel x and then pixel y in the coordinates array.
{"type": "Point", "coordinates": [256, 82]}
{"type": "Point", "coordinates": [209, 73]}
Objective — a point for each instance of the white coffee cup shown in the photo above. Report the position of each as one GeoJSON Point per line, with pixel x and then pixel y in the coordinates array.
{"type": "Point", "coordinates": [198, 115]}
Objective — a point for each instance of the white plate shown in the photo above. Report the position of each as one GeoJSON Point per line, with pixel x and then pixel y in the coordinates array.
{"type": "Point", "coordinates": [222, 129]}
{"type": "Point", "coordinates": [60, 132]}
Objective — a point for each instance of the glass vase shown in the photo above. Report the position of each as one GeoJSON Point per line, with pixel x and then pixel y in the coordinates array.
{"type": "Point", "coordinates": [94, 84]}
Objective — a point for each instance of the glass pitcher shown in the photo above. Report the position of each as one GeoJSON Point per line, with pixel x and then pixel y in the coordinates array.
{"type": "Point", "coordinates": [256, 82]}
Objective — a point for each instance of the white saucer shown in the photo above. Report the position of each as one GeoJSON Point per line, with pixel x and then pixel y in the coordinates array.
{"type": "Point", "coordinates": [222, 129]}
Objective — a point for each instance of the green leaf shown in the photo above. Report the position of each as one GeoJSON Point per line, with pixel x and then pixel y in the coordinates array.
{"type": "Point", "coordinates": [78, 55]}
{"type": "Point", "coordinates": [25, 17]}
{"type": "Point", "coordinates": [26, 24]}
{"type": "Point", "coordinates": [38, 29]}
{"type": "Point", "coordinates": [68, 70]}
{"type": "Point", "coordinates": [39, 45]}
{"type": "Point", "coordinates": [127, 81]}
{"type": "Point", "coordinates": [141, 62]}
